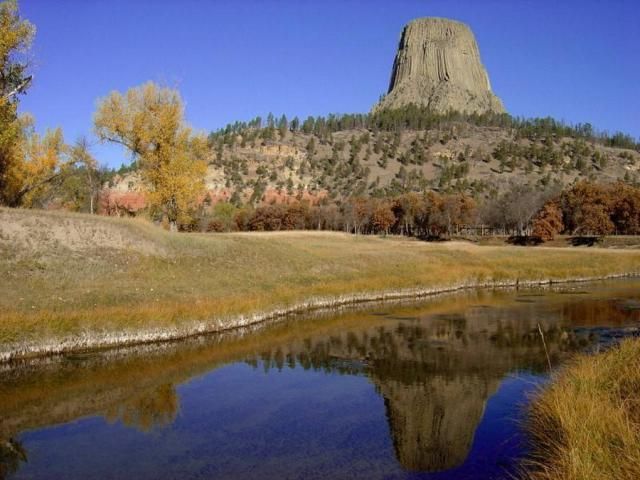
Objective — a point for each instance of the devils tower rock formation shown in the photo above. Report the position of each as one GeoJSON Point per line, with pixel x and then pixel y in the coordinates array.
{"type": "Point", "coordinates": [433, 422]}
{"type": "Point", "coordinates": [438, 66]}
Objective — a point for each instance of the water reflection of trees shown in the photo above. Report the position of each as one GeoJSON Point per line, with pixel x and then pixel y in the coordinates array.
{"type": "Point", "coordinates": [146, 410]}
{"type": "Point", "coordinates": [143, 409]}
{"type": "Point", "coordinates": [611, 312]}
{"type": "Point", "coordinates": [12, 454]}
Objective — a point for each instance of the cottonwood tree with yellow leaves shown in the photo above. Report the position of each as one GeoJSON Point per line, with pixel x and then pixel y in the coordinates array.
{"type": "Point", "coordinates": [149, 121]}
{"type": "Point", "coordinates": [43, 159]}
{"type": "Point", "coordinates": [16, 35]}
{"type": "Point", "coordinates": [29, 162]}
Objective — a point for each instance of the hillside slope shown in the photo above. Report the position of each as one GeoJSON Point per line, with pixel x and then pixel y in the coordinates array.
{"type": "Point", "coordinates": [251, 164]}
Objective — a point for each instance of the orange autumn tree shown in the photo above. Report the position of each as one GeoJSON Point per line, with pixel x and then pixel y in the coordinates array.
{"type": "Point", "coordinates": [149, 121]}
{"type": "Point", "coordinates": [382, 216]}
{"type": "Point", "coordinates": [548, 221]}
{"type": "Point", "coordinates": [625, 211]}
{"type": "Point", "coordinates": [451, 211]}
{"type": "Point", "coordinates": [406, 208]}
{"type": "Point", "coordinates": [587, 208]}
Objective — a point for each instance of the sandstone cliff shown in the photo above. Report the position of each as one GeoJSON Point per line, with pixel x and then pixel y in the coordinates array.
{"type": "Point", "coordinates": [438, 65]}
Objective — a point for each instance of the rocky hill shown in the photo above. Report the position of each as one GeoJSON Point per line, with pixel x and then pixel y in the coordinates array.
{"type": "Point", "coordinates": [438, 66]}
{"type": "Point", "coordinates": [339, 157]}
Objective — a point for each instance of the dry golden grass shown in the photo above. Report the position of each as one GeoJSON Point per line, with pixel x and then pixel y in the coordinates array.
{"type": "Point", "coordinates": [586, 423]}
{"type": "Point", "coordinates": [64, 274]}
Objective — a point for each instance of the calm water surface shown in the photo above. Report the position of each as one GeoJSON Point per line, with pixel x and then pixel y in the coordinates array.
{"type": "Point", "coordinates": [430, 390]}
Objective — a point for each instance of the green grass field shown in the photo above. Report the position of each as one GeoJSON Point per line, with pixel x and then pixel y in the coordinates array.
{"type": "Point", "coordinates": [65, 275]}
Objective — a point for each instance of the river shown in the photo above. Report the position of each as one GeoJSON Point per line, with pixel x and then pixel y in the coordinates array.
{"type": "Point", "coordinates": [434, 389]}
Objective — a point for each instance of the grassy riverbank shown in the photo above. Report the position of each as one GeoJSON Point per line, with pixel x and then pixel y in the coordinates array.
{"type": "Point", "coordinates": [586, 423]}
{"type": "Point", "coordinates": [68, 275]}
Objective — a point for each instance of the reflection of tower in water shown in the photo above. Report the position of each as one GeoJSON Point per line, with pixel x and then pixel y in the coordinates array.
{"type": "Point", "coordinates": [435, 374]}
{"type": "Point", "coordinates": [437, 387]}
{"type": "Point", "coordinates": [433, 424]}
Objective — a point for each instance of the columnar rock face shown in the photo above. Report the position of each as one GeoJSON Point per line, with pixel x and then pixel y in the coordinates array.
{"type": "Point", "coordinates": [438, 66]}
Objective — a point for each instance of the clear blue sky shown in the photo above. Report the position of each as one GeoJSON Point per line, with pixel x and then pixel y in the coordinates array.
{"type": "Point", "coordinates": [232, 60]}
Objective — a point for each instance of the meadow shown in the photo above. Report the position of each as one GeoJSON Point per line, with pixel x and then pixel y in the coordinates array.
{"type": "Point", "coordinates": [70, 281]}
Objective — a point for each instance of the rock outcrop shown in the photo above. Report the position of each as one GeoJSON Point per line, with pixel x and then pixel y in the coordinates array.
{"type": "Point", "coordinates": [438, 66]}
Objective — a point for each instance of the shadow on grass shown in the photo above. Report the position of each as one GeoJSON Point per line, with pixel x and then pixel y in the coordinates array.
{"type": "Point", "coordinates": [585, 241]}
{"type": "Point", "coordinates": [433, 238]}
{"type": "Point", "coordinates": [524, 240]}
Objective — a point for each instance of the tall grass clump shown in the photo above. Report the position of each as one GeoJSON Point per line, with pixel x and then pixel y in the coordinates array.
{"type": "Point", "coordinates": [585, 424]}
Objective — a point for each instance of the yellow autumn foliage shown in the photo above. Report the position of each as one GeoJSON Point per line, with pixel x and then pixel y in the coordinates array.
{"type": "Point", "coordinates": [16, 35]}
{"type": "Point", "coordinates": [149, 121]}
{"type": "Point", "coordinates": [37, 161]}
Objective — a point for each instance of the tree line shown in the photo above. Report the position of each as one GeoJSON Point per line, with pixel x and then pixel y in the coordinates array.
{"type": "Point", "coordinates": [583, 209]}
{"type": "Point", "coordinates": [417, 117]}
{"type": "Point", "coordinates": [424, 215]}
